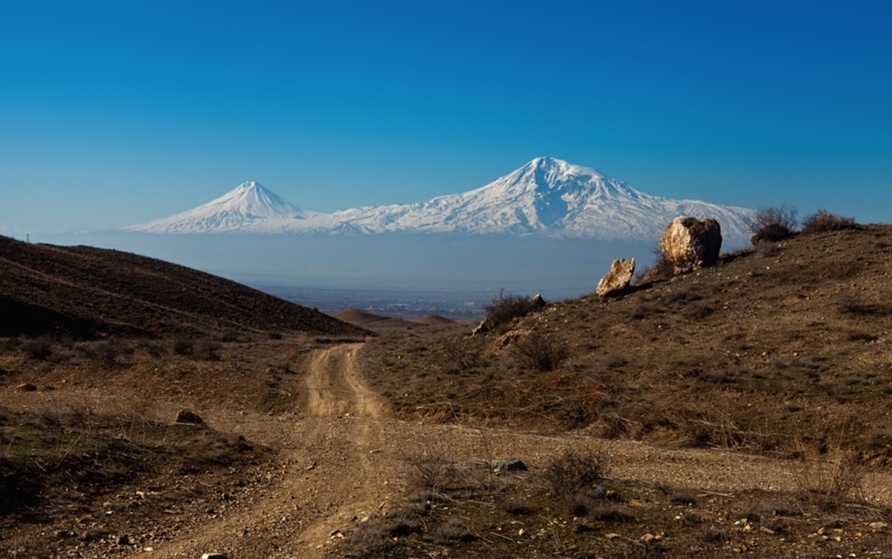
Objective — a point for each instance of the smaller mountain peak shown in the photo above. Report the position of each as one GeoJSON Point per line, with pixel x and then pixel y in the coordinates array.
{"type": "Point", "coordinates": [248, 185]}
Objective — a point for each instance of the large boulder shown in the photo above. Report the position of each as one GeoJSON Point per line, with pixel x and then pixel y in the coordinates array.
{"type": "Point", "coordinates": [617, 279]}
{"type": "Point", "coordinates": [690, 243]}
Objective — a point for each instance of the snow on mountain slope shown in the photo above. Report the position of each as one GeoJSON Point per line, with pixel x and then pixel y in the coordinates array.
{"type": "Point", "coordinates": [249, 207]}
{"type": "Point", "coordinates": [546, 197]}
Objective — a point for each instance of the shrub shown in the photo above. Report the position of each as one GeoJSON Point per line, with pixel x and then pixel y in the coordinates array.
{"type": "Point", "coordinates": [431, 472]}
{"type": "Point", "coordinates": [461, 354]}
{"type": "Point", "coordinates": [505, 308]}
{"type": "Point", "coordinates": [771, 233]}
{"type": "Point", "coordinates": [207, 350]}
{"type": "Point", "coordinates": [824, 221]}
{"type": "Point", "coordinates": [574, 472]}
{"type": "Point", "coordinates": [768, 217]}
{"type": "Point", "coordinates": [539, 352]}
{"type": "Point", "coordinates": [183, 346]}
{"type": "Point", "coordinates": [661, 269]}
{"type": "Point", "coordinates": [37, 348]}
{"type": "Point", "coordinates": [829, 488]}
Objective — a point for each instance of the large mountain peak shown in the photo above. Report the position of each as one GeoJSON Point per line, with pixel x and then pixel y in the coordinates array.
{"type": "Point", "coordinates": [546, 196]}
{"type": "Point", "coordinates": [249, 206]}
{"type": "Point", "coordinates": [550, 170]}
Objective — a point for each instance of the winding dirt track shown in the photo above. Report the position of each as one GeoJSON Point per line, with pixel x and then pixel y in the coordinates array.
{"type": "Point", "coordinates": [342, 459]}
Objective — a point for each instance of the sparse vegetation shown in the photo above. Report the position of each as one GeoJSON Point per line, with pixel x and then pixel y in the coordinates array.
{"type": "Point", "coordinates": [773, 221]}
{"type": "Point", "coordinates": [507, 307]}
{"type": "Point", "coordinates": [574, 473]}
{"type": "Point", "coordinates": [539, 352]}
{"type": "Point", "coordinates": [824, 221]}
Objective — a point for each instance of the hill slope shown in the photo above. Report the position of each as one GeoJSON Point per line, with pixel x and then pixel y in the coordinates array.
{"type": "Point", "coordinates": [84, 292]}
{"type": "Point", "coordinates": [784, 345]}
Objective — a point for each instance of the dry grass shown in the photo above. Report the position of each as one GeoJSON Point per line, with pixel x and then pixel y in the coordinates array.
{"type": "Point", "coordinates": [766, 351]}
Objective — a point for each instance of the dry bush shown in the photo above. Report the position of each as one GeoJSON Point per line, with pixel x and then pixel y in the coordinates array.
{"type": "Point", "coordinates": [574, 472]}
{"type": "Point", "coordinates": [539, 352]}
{"type": "Point", "coordinates": [827, 488]}
{"type": "Point", "coordinates": [37, 348]}
{"type": "Point", "coordinates": [852, 304]}
{"type": "Point", "coordinates": [824, 221]}
{"type": "Point", "coordinates": [107, 353]}
{"type": "Point", "coordinates": [771, 233]}
{"type": "Point", "coordinates": [462, 353]}
{"type": "Point", "coordinates": [505, 308]}
{"type": "Point", "coordinates": [207, 350]}
{"type": "Point", "coordinates": [782, 217]}
{"type": "Point", "coordinates": [368, 540]}
{"type": "Point", "coordinates": [431, 472]}
{"type": "Point", "coordinates": [453, 530]}
{"type": "Point", "coordinates": [183, 346]}
{"type": "Point", "coordinates": [662, 269]}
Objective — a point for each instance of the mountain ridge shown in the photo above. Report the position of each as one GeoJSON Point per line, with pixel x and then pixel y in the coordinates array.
{"type": "Point", "coordinates": [546, 197]}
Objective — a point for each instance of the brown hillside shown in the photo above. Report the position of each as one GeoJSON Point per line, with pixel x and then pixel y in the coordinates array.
{"type": "Point", "coordinates": [784, 345]}
{"type": "Point", "coordinates": [83, 292]}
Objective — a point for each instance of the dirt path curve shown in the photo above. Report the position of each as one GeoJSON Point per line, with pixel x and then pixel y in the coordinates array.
{"type": "Point", "coordinates": [333, 469]}
{"type": "Point", "coordinates": [342, 458]}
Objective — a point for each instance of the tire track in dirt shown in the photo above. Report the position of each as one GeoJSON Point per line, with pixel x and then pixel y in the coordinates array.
{"type": "Point", "coordinates": [333, 468]}
{"type": "Point", "coordinates": [341, 461]}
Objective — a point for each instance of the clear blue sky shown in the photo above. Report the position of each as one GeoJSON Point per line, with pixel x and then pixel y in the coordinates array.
{"type": "Point", "coordinates": [119, 112]}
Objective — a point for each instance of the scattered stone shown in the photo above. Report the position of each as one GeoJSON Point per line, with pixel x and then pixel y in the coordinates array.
{"type": "Point", "coordinates": [617, 279]}
{"type": "Point", "coordinates": [878, 525]}
{"type": "Point", "coordinates": [214, 556]}
{"type": "Point", "coordinates": [26, 387]}
{"type": "Point", "coordinates": [481, 328]}
{"type": "Point", "coordinates": [690, 243]}
{"type": "Point", "coordinates": [508, 465]}
{"type": "Point", "coordinates": [123, 539]}
{"type": "Point", "coordinates": [598, 492]}
{"type": "Point", "coordinates": [538, 301]}
{"type": "Point", "coordinates": [188, 416]}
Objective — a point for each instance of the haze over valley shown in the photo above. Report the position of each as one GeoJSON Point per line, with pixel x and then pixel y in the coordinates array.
{"type": "Point", "coordinates": [548, 227]}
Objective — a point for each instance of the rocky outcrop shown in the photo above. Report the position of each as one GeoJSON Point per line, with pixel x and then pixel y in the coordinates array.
{"type": "Point", "coordinates": [690, 243]}
{"type": "Point", "coordinates": [617, 279]}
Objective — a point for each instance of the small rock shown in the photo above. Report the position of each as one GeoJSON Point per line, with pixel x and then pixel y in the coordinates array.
{"type": "Point", "coordinates": [123, 539]}
{"type": "Point", "coordinates": [508, 465]}
{"type": "Point", "coordinates": [188, 416]}
{"type": "Point", "coordinates": [618, 279]}
{"type": "Point", "coordinates": [598, 493]}
{"type": "Point", "coordinates": [214, 556]}
{"type": "Point", "coordinates": [26, 387]}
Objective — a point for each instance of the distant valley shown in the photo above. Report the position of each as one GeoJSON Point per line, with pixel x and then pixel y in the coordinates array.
{"type": "Point", "coordinates": [549, 227]}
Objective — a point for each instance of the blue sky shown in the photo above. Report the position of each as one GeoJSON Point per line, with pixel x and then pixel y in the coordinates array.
{"type": "Point", "coordinates": [114, 113]}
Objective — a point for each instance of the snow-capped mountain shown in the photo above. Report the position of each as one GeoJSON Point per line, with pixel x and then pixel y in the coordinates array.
{"type": "Point", "coordinates": [249, 207]}
{"type": "Point", "coordinates": [545, 197]}
{"type": "Point", "coordinates": [548, 197]}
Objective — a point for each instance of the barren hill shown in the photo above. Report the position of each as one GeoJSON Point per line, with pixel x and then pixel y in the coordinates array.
{"type": "Point", "coordinates": [84, 292]}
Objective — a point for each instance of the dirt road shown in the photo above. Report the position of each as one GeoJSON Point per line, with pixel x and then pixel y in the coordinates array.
{"type": "Point", "coordinates": [343, 459]}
